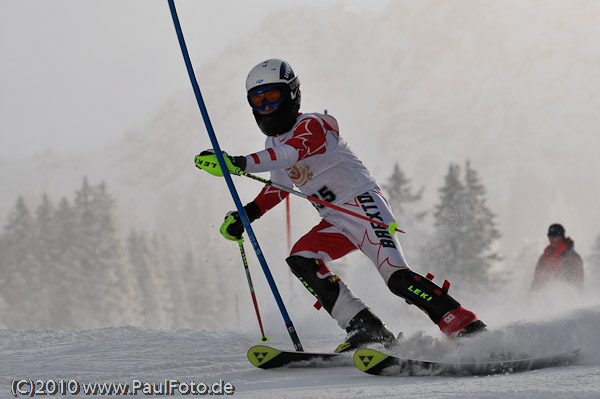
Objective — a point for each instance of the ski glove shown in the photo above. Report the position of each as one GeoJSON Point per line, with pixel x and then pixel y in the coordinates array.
{"type": "Point", "coordinates": [232, 228]}
{"type": "Point", "coordinates": [207, 160]}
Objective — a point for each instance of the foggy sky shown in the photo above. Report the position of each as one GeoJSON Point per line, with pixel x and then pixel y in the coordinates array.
{"type": "Point", "coordinates": [77, 75]}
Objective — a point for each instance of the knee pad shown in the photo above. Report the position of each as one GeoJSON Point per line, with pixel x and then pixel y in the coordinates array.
{"type": "Point", "coordinates": [317, 278]}
{"type": "Point", "coordinates": [423, 293]}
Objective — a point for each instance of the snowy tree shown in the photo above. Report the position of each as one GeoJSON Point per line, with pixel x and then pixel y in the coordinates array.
{"type": "Point", "coordinates": [42, 275]}
{"type": "Point", "coordinates": [65, 268]}
{"type": "Point", "coordinates": [18, 261]}
{"type": "Point", "coordinates": [447, 245]}
{"type": "Point", "coordinates": [465, 229]}
{"type": "Point", "coordinates": [203, 294]}
{"type": "Point", "coordinates": [191, 288]}
{"type": "Point", "coordinates": [400, 193]}
{"type": "Point", "coordinates": [144, 269]}
{"type": "Point", "coordinates": [190, 291]}
{"type": "Point", "coordinates": [482, 232]}
{"type": "Point", "coordinates": [88, 280]}
{"type": "Point", "coordinates": [98, 259]}
{"type": "Point", "coordinates": [169, 275]}
{"type": "Point", "coordinates": [120, 289]}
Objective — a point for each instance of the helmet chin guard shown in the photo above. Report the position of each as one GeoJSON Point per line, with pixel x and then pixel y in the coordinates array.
{"type": "Point", "coordinates": [276, 72]}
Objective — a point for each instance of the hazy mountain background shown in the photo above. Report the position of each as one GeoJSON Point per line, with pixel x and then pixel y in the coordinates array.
{"type": "Point", "coordinates": [512, 86]}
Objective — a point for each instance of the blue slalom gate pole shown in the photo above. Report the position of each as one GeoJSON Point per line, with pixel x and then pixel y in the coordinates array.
{"type": "Point", "coordinates": [229, 181]}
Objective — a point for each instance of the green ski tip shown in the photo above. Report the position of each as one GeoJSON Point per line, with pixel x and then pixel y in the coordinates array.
{"type": "Point", "coordinates": [259, 355]}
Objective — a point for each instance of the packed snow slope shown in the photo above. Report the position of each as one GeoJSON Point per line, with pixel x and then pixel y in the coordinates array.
{"type": "Point", "coordinates": [147, 356]}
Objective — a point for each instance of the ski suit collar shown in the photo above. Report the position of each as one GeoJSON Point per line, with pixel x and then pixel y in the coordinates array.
{"type": "Point", "coordinates": [561, 247]}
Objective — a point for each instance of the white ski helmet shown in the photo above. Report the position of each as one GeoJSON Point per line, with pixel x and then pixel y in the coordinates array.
{"type": "Point", "coordinates": [268, 76]}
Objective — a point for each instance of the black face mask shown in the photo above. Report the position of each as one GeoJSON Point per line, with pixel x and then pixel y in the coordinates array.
{"type": "Point", "coordinates": [282, 119]}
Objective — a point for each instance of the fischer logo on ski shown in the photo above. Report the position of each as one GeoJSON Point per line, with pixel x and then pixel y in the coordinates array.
{"type": "Point", "coordinates": [260, 356]}
{"type": "Point", "coordinates": [366, 360]}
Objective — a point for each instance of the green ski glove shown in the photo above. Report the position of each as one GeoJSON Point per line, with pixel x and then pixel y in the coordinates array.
{"type": "Point", "coordinates": [233, 228]}
{"type": "Point", "coordinates": [207, 160]}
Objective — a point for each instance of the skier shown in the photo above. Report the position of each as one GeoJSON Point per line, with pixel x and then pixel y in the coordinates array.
{"type": "Point", "coordinates": [559, 262]}
{"type": "Point", "coordinates": [306, 150]}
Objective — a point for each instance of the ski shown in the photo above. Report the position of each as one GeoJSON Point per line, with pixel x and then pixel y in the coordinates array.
{"type": "Point", "coordinates": [377, 363]}
{"type": "Point", "coordinates": [266, 357]}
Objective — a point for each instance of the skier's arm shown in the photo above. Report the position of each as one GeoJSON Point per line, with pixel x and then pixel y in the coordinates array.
{"type": "Point", "coordinates": [269, 197]}
{"type": "Point", "coordinates": [308, 139]}
{"type": "Point", "coordinates": [279, 157]}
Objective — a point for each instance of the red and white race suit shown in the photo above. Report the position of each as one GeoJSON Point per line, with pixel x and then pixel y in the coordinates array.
{"type": "Point", "coordinates": [313, 157]}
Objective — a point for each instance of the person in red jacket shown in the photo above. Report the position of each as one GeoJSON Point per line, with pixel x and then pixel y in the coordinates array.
{"type": "Point", "coordinates": [559, 262]}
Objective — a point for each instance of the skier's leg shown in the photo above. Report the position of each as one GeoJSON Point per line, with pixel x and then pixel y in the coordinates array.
{"type": "Point", "coordinates": [385, 252]}
{"type": "Point", "coordinates": [331, 292]}
{"type": "Point", "coordinates": [442, 309]}
{"type": "Point", "coordinates": [351, 313]}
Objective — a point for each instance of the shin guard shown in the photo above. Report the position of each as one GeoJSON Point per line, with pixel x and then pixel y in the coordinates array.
{"type": "Point", "coordinates": [332, 293]}
{"type": "Point", "coordinates": [317, 278]}
{"type": "Point", "coordinates": [423, 293]}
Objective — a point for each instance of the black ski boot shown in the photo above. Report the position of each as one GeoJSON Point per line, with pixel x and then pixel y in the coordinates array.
{"type": "Point", "coordinates": [365, 328]}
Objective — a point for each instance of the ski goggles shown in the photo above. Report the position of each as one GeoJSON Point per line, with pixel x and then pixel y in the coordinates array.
{"type": "Point", "coordinates": [271, 95]}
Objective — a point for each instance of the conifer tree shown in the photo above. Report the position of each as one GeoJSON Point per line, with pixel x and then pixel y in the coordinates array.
{"type": "Point", "coordinates": [482, 231]}
{"type": "Point", "coordinates": [148, 289]}
{"type": "Point", "coordinates": [88, 279]}
{"type": "Point", "coordinates": [405, 205]}
{"type": "Point", "coordinates": [170, 278]}
{"type": "Point", "coordinates": [202, 292]}
{"type": "Point", "coordinates": [18, 261]}
{"type": "Point", "coordinates": [399, 190]}
{"type": "Point", "coordinates": [65, 268]}
{"type": "Point", "coordinates": [117, 272]}
{"type": "Point", "coordinates": [97, 259]}
{"type": "Point", "coordinates": [465, 229]}
{"type": "Point", "coordinates": [43, 276]}
{"type": "Point", "coordinates": [448, 215]}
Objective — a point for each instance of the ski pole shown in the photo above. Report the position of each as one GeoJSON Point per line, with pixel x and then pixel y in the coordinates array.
{"type": "Point", "coordinates": [392, 227]}
{"type": "Point", "coordinates": [234, 194]}
{"type": "Point", "coordinates": [245, 261]}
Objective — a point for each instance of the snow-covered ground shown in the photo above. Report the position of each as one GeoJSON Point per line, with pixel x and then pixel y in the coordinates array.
{"type": "Point", "coordinates": [148, 356]}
